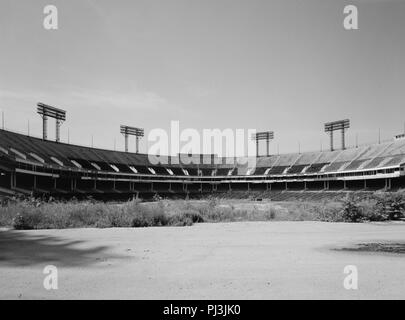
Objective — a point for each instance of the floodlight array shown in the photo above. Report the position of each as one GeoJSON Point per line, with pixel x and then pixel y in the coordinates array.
{"type": "Point", "coordinates": [266, 135]}
{"type": "Point", "coordinates": [139, 132]}
{"type": "Point", "coordinates": [337, 125]}
{"type": "Point", "coordinates": [52, 112]}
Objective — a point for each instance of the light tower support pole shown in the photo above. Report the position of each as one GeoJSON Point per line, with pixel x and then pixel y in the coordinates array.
{"type": "Point", "coordinates": [44, 127]}
{"type": "Point", "coordinates": [343, 139]}
{"type": "Point", "coordinates": [126, 142]}
{"type": "Point", "coordinates": [57, 130]}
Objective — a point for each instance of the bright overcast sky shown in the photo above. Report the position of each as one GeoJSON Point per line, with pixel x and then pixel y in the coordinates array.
{"type": "Point", "coordinates": [287, 66]}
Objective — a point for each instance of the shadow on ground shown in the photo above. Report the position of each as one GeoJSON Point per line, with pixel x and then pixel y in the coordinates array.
{"type": "Point", "coordinates": [18, 248]}
{"type": "Point", "coordinates": [398, 248]}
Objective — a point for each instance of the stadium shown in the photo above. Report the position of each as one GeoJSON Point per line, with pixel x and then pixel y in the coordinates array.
{"type": "Point", "coordinates": [39, 167]}
{"type": "Point", "coordinates": [209, 150]}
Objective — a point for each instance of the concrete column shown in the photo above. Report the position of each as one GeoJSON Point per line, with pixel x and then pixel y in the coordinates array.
{"type": "Point", "coordinates": [331, 140]}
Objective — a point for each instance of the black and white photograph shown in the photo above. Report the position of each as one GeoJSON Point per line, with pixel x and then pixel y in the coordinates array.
{"type": "Point", "coordinates": [198, 151]}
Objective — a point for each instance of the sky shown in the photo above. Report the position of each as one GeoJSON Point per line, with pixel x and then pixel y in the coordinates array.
{"type": "Point", "coordinates": [283, 65]}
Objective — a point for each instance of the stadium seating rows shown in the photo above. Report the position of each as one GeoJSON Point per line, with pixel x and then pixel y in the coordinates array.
{"type": "Point", "coordinates": [70, 157]}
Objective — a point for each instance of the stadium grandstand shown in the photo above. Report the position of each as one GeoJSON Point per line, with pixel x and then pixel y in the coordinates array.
{"type": "Point", "coordinates": [39, 167]}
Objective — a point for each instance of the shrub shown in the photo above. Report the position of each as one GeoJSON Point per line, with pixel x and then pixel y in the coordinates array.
{"type": "Point", "coordinates": [147, 217]}
{"type": "Point", "coordinates": [350, 211]}
{"type": "Point", "coordinates": [391, 206]}
{"type": "Point", "coordinates": [27, 220]}
{"type": "Point", "coordinates": [193, 215]}
{"type": "Point", "coordinates": [181, 220]}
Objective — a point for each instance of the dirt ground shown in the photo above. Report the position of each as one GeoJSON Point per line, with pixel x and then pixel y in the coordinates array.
{"type": "Point", "coordinates": [240, 260]}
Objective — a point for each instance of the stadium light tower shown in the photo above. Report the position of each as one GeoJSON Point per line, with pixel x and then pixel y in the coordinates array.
{"type": "Point", "coordinates": [342, 125]}
{"type": "Point", "coordinates": [131, 131]}
{"type": "Point", "coordinates": [266, 135]}
{"type": "Point", "coordinates": [48, 111]}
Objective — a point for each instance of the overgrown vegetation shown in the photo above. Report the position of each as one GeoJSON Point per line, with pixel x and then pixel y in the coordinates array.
{"type": "Point", "coordinates": [37, 214]}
